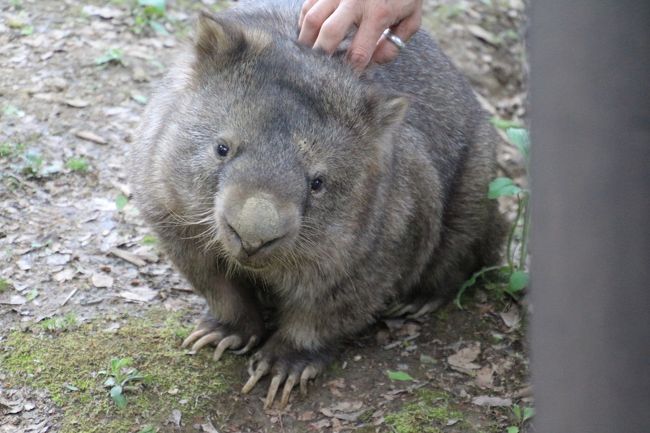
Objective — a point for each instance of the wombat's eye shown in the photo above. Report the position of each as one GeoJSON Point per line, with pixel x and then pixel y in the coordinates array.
{"type": "Point", "coordinates": [316, 184]}
{"type": "Point", "coordinates": [222, 149]}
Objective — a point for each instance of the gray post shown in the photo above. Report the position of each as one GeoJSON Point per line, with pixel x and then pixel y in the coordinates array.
{"type": "Point", "coordinates": [590, 105]}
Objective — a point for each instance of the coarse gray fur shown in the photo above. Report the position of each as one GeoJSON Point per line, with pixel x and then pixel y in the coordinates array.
{"type": "Point", "coordinates": [404, 152]}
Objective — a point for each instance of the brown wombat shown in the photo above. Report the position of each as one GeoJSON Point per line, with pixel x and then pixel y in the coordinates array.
{"type": "Point", "coordinates": [278, 179]}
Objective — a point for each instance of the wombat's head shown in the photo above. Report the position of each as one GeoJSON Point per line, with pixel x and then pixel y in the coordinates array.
{"type": "Point", "coordinates": [286, 147]}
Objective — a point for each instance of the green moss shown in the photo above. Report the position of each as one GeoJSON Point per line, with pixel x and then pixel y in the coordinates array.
{"type": "Point", "coordinates": [68, 365]}
{"type": "Point", "coordinates": [429, 414]}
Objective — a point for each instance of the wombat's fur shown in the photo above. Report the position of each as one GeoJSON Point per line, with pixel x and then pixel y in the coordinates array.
{"type": "Point", "coordinates": [277, 177]}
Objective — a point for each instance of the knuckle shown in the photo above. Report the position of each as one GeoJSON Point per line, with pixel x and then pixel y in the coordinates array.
{"type": "Point", "coordinates": [383, 15]}
{"type": "Point", "coordinates": [330, 28]}
{"type": "Point", "coordinates": [312, 20]}
{"type": "Point", "coordinates": [359, 56]}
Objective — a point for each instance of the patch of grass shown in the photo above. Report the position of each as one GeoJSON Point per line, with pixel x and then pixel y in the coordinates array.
{"type": "Point", "coordinates": [150, 15]}
{"type": "Point", "coordinates": [429, 414]}
{"type": "Point", "coordinates": [68, 365]}
{"type": "Point", "coordinates": [10, 150]}
{"type": "Point", "coordinates": [60, 323]}
{"type": "Point", "coordinates": [78, 164]}
{"type": "Point", "coordinates": [4, 285]}
{"type": "Point", "coordinates": [32, 163]}
{"type": "Point", "coordinates": [111, 56]}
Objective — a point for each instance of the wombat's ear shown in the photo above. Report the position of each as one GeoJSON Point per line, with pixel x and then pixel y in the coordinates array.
{"type": "Point", "coordinates": [217, 38]}
{"type": "Point", "coordinates": [385, 112]}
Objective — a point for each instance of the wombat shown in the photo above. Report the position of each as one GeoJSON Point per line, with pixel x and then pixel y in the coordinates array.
{"type": "Point", "coordinates": [279, 180]}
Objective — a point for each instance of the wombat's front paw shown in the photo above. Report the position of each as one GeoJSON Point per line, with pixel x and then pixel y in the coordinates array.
{"type": "Point", "coordinates": [210, 331]}
{"type": "Point", "coordinates": [287, 365]}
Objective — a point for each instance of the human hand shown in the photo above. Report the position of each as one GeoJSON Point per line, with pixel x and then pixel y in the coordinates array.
{"type": "Point", "coordinates": [324, 24]}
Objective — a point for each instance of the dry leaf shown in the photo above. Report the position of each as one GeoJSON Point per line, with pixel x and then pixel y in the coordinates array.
{"type": "Point", "coordinates": [511, 318]}
{"type": "Point", "coordinates": [101, 280]}
{"type": "Point", "coordinates": [486, 400]}
{"type": "Point", "coordinates": [139, 294]}
{"type": "Point", "coordinates": [90, 136]}
{"type": "Point", "coordinates": [65, 275]}
{"type": "Point", "coordinates": [463, 359]}
{"type": "Point", "coordinates": [484, 377]}
{"type": "Point", "coordinates": [77, 103]}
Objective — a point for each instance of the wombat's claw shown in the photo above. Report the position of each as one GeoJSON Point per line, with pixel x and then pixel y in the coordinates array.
{"type": "Point", "coordinates": [412, 310]}
{"type": "Point", "coordinates": [290, 380]}
{"type": "Point", "coordinates": [207, 335]}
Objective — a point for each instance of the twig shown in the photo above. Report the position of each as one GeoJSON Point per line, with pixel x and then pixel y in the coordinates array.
{"type": "Point", "coordinates": [70, 295]}
{"type": "Point", "coordinates": [127, 256]}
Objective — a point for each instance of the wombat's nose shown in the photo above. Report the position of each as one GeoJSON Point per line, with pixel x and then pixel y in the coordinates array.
{"type": "Point", "coordinates": [258, 224]}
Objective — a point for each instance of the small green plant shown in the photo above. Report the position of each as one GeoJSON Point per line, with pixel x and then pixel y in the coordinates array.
{"type": "Point", "coordinates": [149, 240]}
{"type": "Point", "coordinates": [520, 415]}
{"type": "Point", "coordinates": [150, 14]}
{"type": "Point", "coordinates": [77, 164]}
{"type": "Point", "coordinates": [4, 285]}
{"type": "Point", "coordinates": [401, 376]}
{"type": "Point", "coordinates": [121, 201]}
{"type": "Point", "coordinates": [32, 163]}
{"type": "Point", "coordinates": [120, 373]}
{"type": "Point", "coordinates": [8, 150]}
{"type": "Point", "coordinates": [60, 323]}
{"type": "Point", "coordinates": [111, 56]}
{"type": "Point", "coordinates": [513, 273]}
{"type": "Point", "coordinates": [12, 111]}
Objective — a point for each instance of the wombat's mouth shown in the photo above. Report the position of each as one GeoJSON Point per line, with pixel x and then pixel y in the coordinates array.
{"type": "Point", "coordinates": [254, 257]}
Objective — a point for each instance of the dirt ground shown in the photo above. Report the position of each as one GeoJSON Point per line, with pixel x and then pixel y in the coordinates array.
{"type": "Point", "coordinates": [82, 280]}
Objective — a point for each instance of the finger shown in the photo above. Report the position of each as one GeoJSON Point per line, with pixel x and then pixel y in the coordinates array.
{"type": "Point", "coordinates": [229, 342]}
{"type": "Point", "coordinates": [386, 50]}
{"type": "Point", "coordinates": [194, 336]}
{"type": "Point", "coordinates": [251, 343]}
{"type": "Point", "coordinates": [314, 19]}
{"type": "Point", "coordinates": [273, 389]}
{"type": "Point", "coordinates": [336, 27]}
{"type": "Point", "coordinates": [288, 386]}
{"type": "Point", "coordinates": [306, 6]}
{"type": "Point", "coordinates": [365, 41]}
{"type": "Point", "coordinates": [262, 369]}
{"type": "Point", "coordinates": [308, 373]}
{"type": "Point", "coordinates": [205, 340]}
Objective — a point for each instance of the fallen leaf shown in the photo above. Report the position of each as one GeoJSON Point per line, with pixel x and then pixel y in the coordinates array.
{"type": "Point", "coordinates": [209, 428]}
{"type": "Point", "coordinates": [90, 136]}
{"type": "Point", "coordinates": [57, 259]}
{"type": "Point", "coordinates": [15, 300]}
{"type": "Point", "coordinates": [106, 12]}
{"type": "Point", "coordinates": [139, 294]}
{"type": "Point", "coordinates": [77, 103]}
{"type": "Point", "coordinates": [319, 425]}
{"type": "Point", "coordinates": [484, 377]}
{"type": "Point", "coordinates": [485, 400]}
{"type": "Point", "coordinates": [127, 256]}
{"type": "Point", "coordinates": [483, 34]}
{"type": "Point", "coordinates": [101, 280]}
{"type": "Point", "coordinates": [511, 318]}
{"type": "Point", "coordinates": [307, 415]}
{"type": "Point", "coordinates": [463, 359]}
{"type": "Point", "coordinates": [65, 275]}
{"type": "Point", "coordinates": [347, 406]}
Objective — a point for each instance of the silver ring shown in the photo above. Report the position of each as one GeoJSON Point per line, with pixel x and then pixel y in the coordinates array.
{"type": "Point", "coordinates": [399, 43]}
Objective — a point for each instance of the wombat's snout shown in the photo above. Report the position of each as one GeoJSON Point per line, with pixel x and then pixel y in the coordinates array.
{"type": "Point", "coordinates": [260, 222]}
